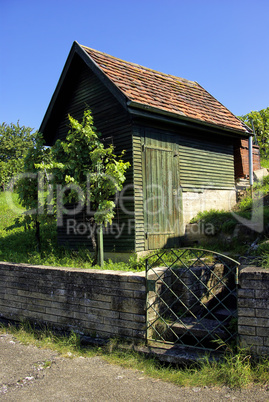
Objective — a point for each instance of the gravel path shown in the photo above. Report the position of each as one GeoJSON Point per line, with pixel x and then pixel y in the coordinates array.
{"type": "Point", "coordinates": [28, 373]}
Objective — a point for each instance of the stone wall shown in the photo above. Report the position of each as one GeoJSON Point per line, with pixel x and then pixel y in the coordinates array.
{"type": "Point", "coordinates": [113, 303]}
{"type": "Point", "coordinates": [97, 303]}
{"type": "Point", "coordinates": [204, 200]}
{"type": "Point", "coordinates": [253, 309]}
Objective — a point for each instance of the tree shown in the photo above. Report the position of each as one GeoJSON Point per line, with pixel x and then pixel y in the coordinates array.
{"type": "Point", "coordinates": [33, 186]}
{"type": "Point", "coordinates": [80, 170]}
{"type": "Point", "coordinates": [261, 125]}
{"type": "Point", "coordinates": [14, 144]}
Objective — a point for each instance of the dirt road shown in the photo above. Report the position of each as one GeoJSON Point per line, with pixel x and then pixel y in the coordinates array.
{"type": "Point", "coordinates": [28, 373]}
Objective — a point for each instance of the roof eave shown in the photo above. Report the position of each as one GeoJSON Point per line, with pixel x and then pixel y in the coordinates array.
{"type": "Point", "coordinates": [111, 86]}
{"type": "Point", "coordinates": [77, 49]}
{"type": "Point", "coordinates": [139, 109]}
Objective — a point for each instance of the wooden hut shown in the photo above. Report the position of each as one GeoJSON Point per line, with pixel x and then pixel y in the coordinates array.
{"type": "Point", "coordinates": [179, 140]}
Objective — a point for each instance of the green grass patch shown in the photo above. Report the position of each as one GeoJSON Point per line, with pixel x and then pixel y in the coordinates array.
{"type": "Point", "coordinates": [236, 369]}
{"type": "Point", "coordinates": [225, 222]}
{"type": "Point", "coordinates": [265, 163]}
{"type": "Point", "coordinates": [18, 244]}
{"type": "Point", "coordinates": [221, 220]}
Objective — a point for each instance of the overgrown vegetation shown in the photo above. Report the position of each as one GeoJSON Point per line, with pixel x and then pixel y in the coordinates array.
{"type": "Point", "coordinates": [235, 370]}
{"type": "Point", "coordinates": [80, 171]}
{"type": "Point", "coordinates": [265, 163]}
{"type": "Point", "coordinates": [260, 121]}
{"type": "Point", "coordinates": [225, 222]}
{"type": "Point", "coordinates": [18, 244]}
{"type": "Point", "coordinates": [14, 144]}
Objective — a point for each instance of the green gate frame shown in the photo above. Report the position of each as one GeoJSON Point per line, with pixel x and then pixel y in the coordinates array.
{"type": "Point", "coordinates": [192, 298]}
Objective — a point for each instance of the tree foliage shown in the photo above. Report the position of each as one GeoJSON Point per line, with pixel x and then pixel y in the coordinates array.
{"type": "Point", "coordinates": [14, 144]}
{"type": "Point", "coordinates": [260, 121]}
{"type": "Point", "coordinates": [90, 172]}
{"type": "Point", "coordinates": [32, 187]}
{"type": "Point", "coordinates": [77, 170]}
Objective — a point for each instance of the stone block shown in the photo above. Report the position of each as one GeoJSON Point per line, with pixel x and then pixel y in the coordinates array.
{"type": "Point", "coordinates": [249, 341]}
{"type": "Point", "coordinates": [266, 338]}
{"type": "Point", "coordinates": [128, 305]}
{"type": "Point", "coordinates": [59, 312]}
{"type": "Point", "coordinates": [262, 351]}
{"type": "Point", "coordinates": [140, 334]}
{"type": "Point", "coordinates": [263, 332]}
{"type": "Point", "coordinates": [138, 318]}
{"type": "Point", "coordinates": [127, 316]}
{"type": "Point", "coordinates": [246, 293]}
{"type": "Point", "coordinates": [246, 330]}
{"type": "Point", "coordinates": [80, 316]}
{"type": "Point", "coordinates": [262, 294]}
{"type": "Point", "coordinates": [250, 321]}
{"type": "Point", "coordinates": [140, 294]}
{"type": "Point", "coordinates": [262, 313]}
{"type": "Point", "coordinates": [33, 308]}
{"type": "Point", "coordinates": [253, 303]}
{"type": "Point", "coordinates": [125, 332]}
{"type": "Point", "coordinates": [260, 174]}
{"type": "Point", "coordinates": [10, 304]}
{"type": "Point", "coordinates": [248, 303]}
{"type": "Point", "coordinates": [124, 324]}
{"type": "Point", "coordinates": [246, 312]}
{"type": "Point", "coordinates": [102, 305]}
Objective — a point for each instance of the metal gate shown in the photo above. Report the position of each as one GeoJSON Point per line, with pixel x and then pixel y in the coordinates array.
{"type": "Point", "coordinates": [192, 298]}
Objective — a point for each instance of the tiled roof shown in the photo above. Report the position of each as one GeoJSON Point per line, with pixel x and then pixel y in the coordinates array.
{"type": "Point", "coordinates": [166, 92]}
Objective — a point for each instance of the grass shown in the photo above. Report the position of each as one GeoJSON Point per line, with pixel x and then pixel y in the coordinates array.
{"type": "Point", "coordinates": [236, 370]}
{"type": "Point", "coordinates": [225, 222]}
{"type": "Point", "coordinates": [18, 245]}
{"type": "Point", "coordinates": [265, 163]}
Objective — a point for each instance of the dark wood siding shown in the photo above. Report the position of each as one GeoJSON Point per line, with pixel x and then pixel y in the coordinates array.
{"type": "Point", "coordinates": [198, 161]}
{"type": "Point", "coordinates": [205, 164]}
{"type": "Point", "coordinates": [115, 126]}
{"type": "Point", "coordinates": [138, 190]}
{"type": "Point", "coordinates": [160, 187]}
{"type": "Point", "coordinates": [181, 159]}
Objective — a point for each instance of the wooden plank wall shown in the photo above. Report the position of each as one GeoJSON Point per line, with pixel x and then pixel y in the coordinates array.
{"type": "Point", "coordinates": [115, 125]}
{"type": "Point", "coordinates": [202, 163]}
{"type": "Point", "coordinates": [205, 164]}
{"type": "Point", "coordinates": [138, 191]}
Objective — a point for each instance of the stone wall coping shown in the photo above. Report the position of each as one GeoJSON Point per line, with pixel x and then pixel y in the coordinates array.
{"type": "Point", "coordinates": [250, 268]}
{"type": "Point", "coordinates": [253, 271]}
{"type": "Point", "coordinates": [74, 269]}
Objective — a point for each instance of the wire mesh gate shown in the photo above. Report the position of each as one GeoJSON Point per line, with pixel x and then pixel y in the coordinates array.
{"type": "Point", "coordinates": [192, 298]}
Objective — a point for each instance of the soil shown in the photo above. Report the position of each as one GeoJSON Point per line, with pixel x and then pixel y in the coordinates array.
{"type": "Point", "coordinates": [28, 373]}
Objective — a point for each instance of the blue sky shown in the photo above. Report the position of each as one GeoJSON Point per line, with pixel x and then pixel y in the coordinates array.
{"type": "Point", "coordinates": [221, 44]}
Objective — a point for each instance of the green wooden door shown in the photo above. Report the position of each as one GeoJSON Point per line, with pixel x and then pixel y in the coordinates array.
{"type": "Point", "coordinates": [161, 212]}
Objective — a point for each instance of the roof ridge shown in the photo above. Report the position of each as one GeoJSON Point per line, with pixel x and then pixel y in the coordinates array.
{"type": "Point", "coordinates": [139, 65]}
{"type": "Point", "coordinates": [158, 90]}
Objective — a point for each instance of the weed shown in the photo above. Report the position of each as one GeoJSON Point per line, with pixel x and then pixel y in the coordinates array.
{"type": "Point", "coordinates": [265, 163]}
{"type": "Point", "coordinates": [47, 364]}
{"type": "Point", "coordinates": [237, 369]}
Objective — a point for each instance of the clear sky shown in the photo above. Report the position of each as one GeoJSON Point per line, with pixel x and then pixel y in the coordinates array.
{"type": "Point", "coordinates": [221, 44]}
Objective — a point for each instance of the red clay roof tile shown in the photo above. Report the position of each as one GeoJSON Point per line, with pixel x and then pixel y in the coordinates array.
{"type": "Point", "coordinates": [166, 92]}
